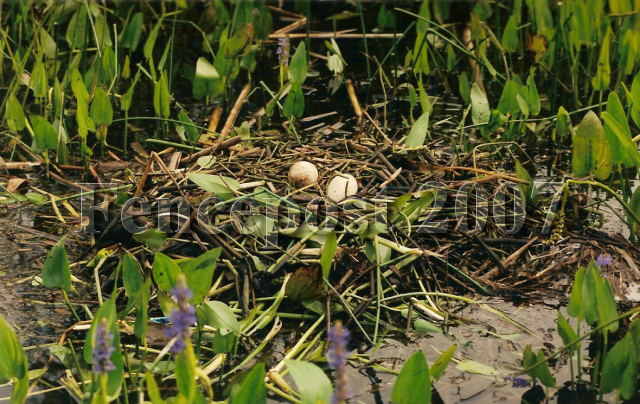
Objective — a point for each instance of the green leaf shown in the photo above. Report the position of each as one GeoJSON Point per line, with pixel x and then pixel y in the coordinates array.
{"type": "Point", "coordinates": [206, 80]}
{"type": "Point", "coordinates": [440, 365]}
{"type": "Point", "coordinates": [623, 150]}
{"type": "Point", "coordinates": [221, 186]}
{"type": "Point", "coordinates": [530, 93]}
{"type": "Point", "coordinates": [620, 370]}
{"type": "Point", "coordinates": [293, 105]}
{"type": "Point", "coordinates": [591, 151]}
{"type": "Point", "coordinates": [543, 373]}
{"type": "Point", "coordinates": [528, 360]}
{"type": "Point", "coordinates": [510, 35]}
{"type": "Point", "coordinates": [192, 132]}
{"type": "Point", "coordinates": [77, 28]}
{"type": "Point", "coordinates": [328, 253]}
{"type": "Point", "coordinates": [240, 43]}
{"type": "Point", "coordinates": [101, 109]}
{"type": "Point", "coordinates": [220, 316]}
{"type": "Point", "coordinates": [131, 276]}
{"type": "Point", "coordinates": [161, 97]}
{"type": "Point", "coordinates": [312, 382]}
{"type": "Point", "coordinates": [563, 123]}
{"type": "Point", "coordinates": [78, 87]}
{"type": "Point", "coordinates": [252, 390]}
{"type": "Point", "coordinates": [424, 326]}
{"type": "Point", "coordinates": [151, 39]}
{"type": "Point", "coordinates": [464, 88]}
{"type": "Point", "coordinates": [132, 32]}
{"type": "Point", "coordinates": [152, 237]}
{"type": "Point", "coordinates": [152, 389]}
{"type": "Point", "coordinates": [602, 78]}
{"type": "Point", "coordinates": [298, 65]}
{"type": "Point", "coordinates": [529, 190]}
{"type": "Point", "coordinates": [125, 101]}
{"type": "Point", "coordinates": [480, 111]}
{"type": "Point", "coordinates": [418, 132]}
{"type": "Point", "coordinates": [574, 308]}
{"type": "Point", "coordinates": [199, 274]}
{"type": "Point", "coordinates": [56, 273]}
{"type": "Point", "coordinates": [567, 333]}
{"type": "Point", "coordinates": [14, 114]}
{"type": "Point", "coordinates": [46, 136]}
{"type": "Point", "coordinates": [635, 98]}
{"type": "Point", "coordinates": [508, 103]}
{"type": "Point", "coordinates": [607, 309]}
{"type": "Point", "coordinates": [413, 385]}
{"type": "Point", "coordinates": [590, 294]}
{"type": "Point", "coordinates": [165, 272]}
{"type": "Point", "coordinates": [13, 363]}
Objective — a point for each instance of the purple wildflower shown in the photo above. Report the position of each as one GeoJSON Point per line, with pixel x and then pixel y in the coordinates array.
{"type": "Point", "coordinates": [337, 357]}
{"type": "Point", "coordinates": [283, 51]}
{"type": "Point", "coordinates": [604, 260]}
{"type": "Point", "coordinates": [103, 349]}
{"type": "Point", "coordinates": [255, 12]}
{"type": "Point", "coordinates": [182, 317]}
{"type": "Point", "coordinates": [518, 382]}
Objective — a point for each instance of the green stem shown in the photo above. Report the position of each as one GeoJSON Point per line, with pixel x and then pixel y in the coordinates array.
{"type": "Point", "coordinates": [66, 300]}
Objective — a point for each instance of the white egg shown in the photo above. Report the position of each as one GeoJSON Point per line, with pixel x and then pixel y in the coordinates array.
{"type": "Point", "coordinates": [341, 186]}
{"type": "Point", "coordinates": [302, 174]}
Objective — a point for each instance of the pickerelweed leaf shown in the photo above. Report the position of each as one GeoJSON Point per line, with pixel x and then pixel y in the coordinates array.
{"type": "Point", "coordinates": [252, 390]}
{"type": "Point", "coordinates": [508, 103]}
{"type": "Point", "coordinates": [13, 363]}
{"type": "Point", "coordinates": [440, 365]}
{"type": "Point", "coordinates": [190, 129]}
{"type": "Point", "coordinates": [132, 32]}
{"type": "Point", "coordinates": [165, 272]}
{"type": "Point", "coordinates": [14, 114]}
{"type": "Point", "coordinates": [46, 136]}
{"type": "Point", "coordinates": [567, 333]}
{"type": "Point", "coordinates": [480, 111]}
{"type": "Point", "coordinates": [206, 80]}
{"type": "Point", "coordinates": [56, 272]}
{"type": "Point", "coordinates": [418, 132]}
{"type": "Point", "coordinates": [101, 109]}
{"type": "Point", "coordinates": [623, 150]}
{"type": "Point", "coordinates": [591, 151]}
{"type": "Point", "coordinates": [574, 308]}
{"type": "Point", "coordinates": [298, 65]}
{"type": "Point", "coordinates": [220, 316]}
{"type": "Point", "coordinates": [240, 43]}
{"type": "Point", "coordinates": [313, 384]}
{"type": "Point", "coordinates": [590, 294]}
{"type": "Point", "coordinates": [222, 187]}
{"type": "Point", "coordinates": [151, 237]}
{"type": "Point", "coordinates": [328, 254]}
{"type": "Point", "coordinates": [199, 274]}
{"type": "Point", "coordinates": [620, 370]}
{"type": "Point", "coordinates": [413, 385]}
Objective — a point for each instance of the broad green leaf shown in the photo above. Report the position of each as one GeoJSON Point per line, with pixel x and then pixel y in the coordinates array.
{"type": "Point", "coordinates": [222, 187]}
{"type": "Point", "coordinates": [529, 190]}
{"type": "Point", "coordinates": [590, 294]}
{"type": "Point", "coordinates": [161, 97]}
{"type": "Point", "coordinates": [263, 25]}
{"type": "Point", "coordinates": [635, 99]}
{"type": "Point", "coordinates": [165, 272]}
{"type": "Point", "coordinates": [220, 316]}
{"type": "Point", "coordinates": [78, 87]}
{"type": "Point", "coordinates": [440, 365]}
{"type": "Point", "coordinates": [252, 390]}
{"type": "Point", "coordinates": [510, 39]}
{"type": "Point", "coordinates": [528, 360]}
{"type": "Point", "coordinates": [567, 333]}
{"type": "Point", "coordinates": [574, 308]}
{"type": "Point", "coordinates": [152, 237]}
{"type": "Point", "coordinates": [424, 326]}
{"type": "Point", "coordinates": [298, 65]}
{"type": "Point", "coordinates": [132, 32]}
{"type": "Point", "coordinates": [623, 150]}
{"type": "Point", "coordinates": [77, 28]}
{"type": "Point", "coordinates": [186, 375]}
{"type": "Point", "coordinates": [591, 151]}
{"type": "Point", "coordinates": [413, 385]}
{"type": "Point", "coordinates": [563, 123]}
{"type": "Point", "coordinates": [13, 363]}
{"type": "Point", "coordinates": [14, 114]}
{"type": "Point", "coordinates": [421, 53]}
{"type": "Point", "coordinates": [206, 80]}
{"type": "Point", "coordinates": [477, 368]}
{"type": "Point", "coordinates": [125, 101]}
{"type": "Point", "coordinates": [199, 274]}
{"type": "Point", "coordinates": [480, 111]}
{"type": "Point", "coordinates": [620, 370]}
{"type": "Point", "coordinates": [531, 95]}
{"type": "Point", "coordinates": [543, 373]}
{"type": "Point", "coordinates": [418, 132]}
{"type": "Point", "coordinates": [240, 43]}
{"type": "Point", "coordinates": [313, 384]}
{"type": "Point", "coordinates": [140, 325]}
{"type": "Point", "coordinates": [56, 273]}
{"type": "Point", "coordinates": [131, 276]}
{"type": "Point", "coordinates": [293, 105]}
{"type": "Point", "coordinates": [85, 123]}
{"type": "Point", "coordinates": [464, 88]}
{"type": "Point", "coordinates": [151, 39]}
{"type": "Point", "coordinates": [46, 136]}
{"type": "Point", "coordinates": [607, 309]}
{"type": "Point", "coordinates": [328, 253]}
{"type": "Point", "coordinates": [508, 103]}
{"type": "Point", "coordinates": [602, 77]}
{"type": "Point", "coordinates": [634, 331]}
{"type": "Point", "coordinates": [192, 131]}
{"type": "Point", "coordinates": [101, 109]}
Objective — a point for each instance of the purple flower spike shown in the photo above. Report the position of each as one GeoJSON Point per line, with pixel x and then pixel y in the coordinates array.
{"type": "Point", "coordinates": [604, 260]}
{"type": "Point", "coordinates": [103, 349]}
{"type": "Point", "coordinates": [337, 357]}
{"type": "Point", "coordinates": [518, 382]}
{"type": "Point", "coordinates": [283, 51]}
{"type": "Point", "coordinates": [182, 317]}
